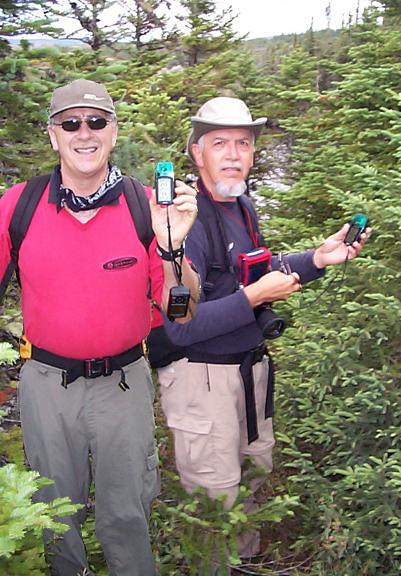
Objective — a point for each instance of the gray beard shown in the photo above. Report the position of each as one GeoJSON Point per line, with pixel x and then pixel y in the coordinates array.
{"type": "Point", "coordinates": [231, 191]}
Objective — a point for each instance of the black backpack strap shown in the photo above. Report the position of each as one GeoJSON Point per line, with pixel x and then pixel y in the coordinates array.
{"type": "Point", "coordinates": [219, 262]}
{"type": "Point", "coordinates": [214, 229]}
{"type": "Point", "coordinates": [20, 221]}
{"type": "Point", "coordinates": [139, 208]}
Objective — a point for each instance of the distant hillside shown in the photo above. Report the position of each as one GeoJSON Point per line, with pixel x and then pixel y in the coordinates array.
{"type": "Point", "coordinates": [269, 51]}
{"type": "Point", "coordinates": [38, 41]}
{"type": "Point", "coordinates": [265, 49]}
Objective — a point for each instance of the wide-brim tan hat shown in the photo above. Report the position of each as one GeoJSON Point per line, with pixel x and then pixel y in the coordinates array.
{"type": "Point", "coordinates": [81, 94]}
{"type": "Point", "coordinates": [222, 112]}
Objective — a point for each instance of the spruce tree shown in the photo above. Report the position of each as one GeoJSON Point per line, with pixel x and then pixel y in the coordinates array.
{"type": "Point", "coordinates": [339, 403]}
{"type": "Point", "coordinates": [93, 21]}
{"type": "Point", "coordinates": [143, 22]}
{"type": "Point", "coordinates": [208, 30]}
{"type": "Point", "coordinates": [18, 16]}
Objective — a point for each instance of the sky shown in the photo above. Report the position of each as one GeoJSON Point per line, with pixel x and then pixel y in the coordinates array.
{"type": "Point", "coordinates": [265, 18]}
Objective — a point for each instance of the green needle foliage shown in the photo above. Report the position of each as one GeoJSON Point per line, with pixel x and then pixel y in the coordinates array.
{"type": "Point", "coordinates": [200, 533]}
{"type": "Point", "coordinates": [339, 381]}
{"type": "Point", "coordinates": [7, 354]}
{"type": "Point", "coordinates": [22, 521]}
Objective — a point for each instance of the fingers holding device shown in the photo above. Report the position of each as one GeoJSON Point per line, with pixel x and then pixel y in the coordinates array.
{"type": "Point", "coordinates": [357, 226]}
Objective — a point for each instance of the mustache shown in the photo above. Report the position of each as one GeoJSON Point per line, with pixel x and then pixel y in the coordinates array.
{"type": "Point", "coordinates": [232, 165]}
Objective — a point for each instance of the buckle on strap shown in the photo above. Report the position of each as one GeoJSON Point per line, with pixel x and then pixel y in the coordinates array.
{"type": "Point", "coordinates": [258, 354]}
{"type": "Point", "coordinates": [97, 367]}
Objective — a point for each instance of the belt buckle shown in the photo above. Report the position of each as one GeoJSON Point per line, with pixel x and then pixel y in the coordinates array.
{"type": "Point", "coordinates": [95, 367]}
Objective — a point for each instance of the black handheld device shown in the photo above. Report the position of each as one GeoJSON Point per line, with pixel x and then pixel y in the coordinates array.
{"type": "Point", "coordinates": [164, 183]}
{"type": "Point", "coordinates": [178, 302]}
{"type": "Point", "coordinates": [358, 224]}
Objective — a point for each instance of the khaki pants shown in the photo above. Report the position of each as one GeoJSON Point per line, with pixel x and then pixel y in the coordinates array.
{"type": "Point", "coordinates": [62, 427]}
{"type": "Point", "coordinates": [204, 406]}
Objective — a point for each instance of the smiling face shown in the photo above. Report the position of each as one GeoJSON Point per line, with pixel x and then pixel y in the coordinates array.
{"type": "Point", "coordinates": [84, 154]}
{"type": "Point", "coordinates": [224, 158]}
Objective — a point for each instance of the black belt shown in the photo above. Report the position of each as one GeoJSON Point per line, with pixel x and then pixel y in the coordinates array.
{"type": "Point", "coordinates": [92, 368]}
{"type": "Point", "coordinates": [246, 360]}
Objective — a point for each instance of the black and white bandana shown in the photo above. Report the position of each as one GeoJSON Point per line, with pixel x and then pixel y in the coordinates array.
{"type": "Point", "coordinates": [109, 191]}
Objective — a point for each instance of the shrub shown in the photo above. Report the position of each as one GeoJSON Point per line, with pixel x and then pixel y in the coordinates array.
{"type": "Point", "coordinates": [22, 521]}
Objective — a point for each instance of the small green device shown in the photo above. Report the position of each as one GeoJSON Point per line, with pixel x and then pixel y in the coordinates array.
{"type": "Point", "coordinates": [357, 225]}
{"type": "Point", "coordinates": [164, 183]}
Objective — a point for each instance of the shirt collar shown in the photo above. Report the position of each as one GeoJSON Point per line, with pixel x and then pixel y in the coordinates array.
{"type": "Point", "coordinates": [55, 183]}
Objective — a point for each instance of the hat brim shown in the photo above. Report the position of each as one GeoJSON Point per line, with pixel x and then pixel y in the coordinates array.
{"type": "Point", "coordinates": [201, 127]}
{"type": "Point", "coordinates": [95, 106]}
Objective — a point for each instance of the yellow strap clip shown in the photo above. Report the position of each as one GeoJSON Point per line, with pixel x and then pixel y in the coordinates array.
{"type": "Point", "coordinates": [25, 348]}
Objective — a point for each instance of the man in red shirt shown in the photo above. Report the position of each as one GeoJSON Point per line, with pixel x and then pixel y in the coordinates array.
{"type": "Point", "coordinates": [86, 392]}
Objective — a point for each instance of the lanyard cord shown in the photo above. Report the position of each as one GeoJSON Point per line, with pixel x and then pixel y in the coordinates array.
{"type": "Point", "coordinates": [246, 215]}
{"type": "Point", "coordinates": [245, 222]}
{"type": "Point", "coordinates": [177, 265]}
{"type": "Point", "coordinates": [329, 285]}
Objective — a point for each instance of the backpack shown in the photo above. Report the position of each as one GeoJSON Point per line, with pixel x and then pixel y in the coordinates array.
{"type": "Point", "coordinates": [135, 196]}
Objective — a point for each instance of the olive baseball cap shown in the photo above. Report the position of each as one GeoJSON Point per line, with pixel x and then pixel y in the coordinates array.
{"type": "Point", "coordinates": [81, 94]}
{"type": "Point", "coordinates": [222, 112]}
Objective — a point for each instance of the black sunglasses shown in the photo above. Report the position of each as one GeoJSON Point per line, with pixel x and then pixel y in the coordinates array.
{"type": "Point", "coordinates": [74, 124]}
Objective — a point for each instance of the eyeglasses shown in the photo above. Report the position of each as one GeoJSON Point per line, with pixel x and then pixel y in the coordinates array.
{"type": "Point", "coordinates": [74, 124]}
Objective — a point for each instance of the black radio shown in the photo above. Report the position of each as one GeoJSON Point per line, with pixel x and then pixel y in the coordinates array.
{"type": "Point", "coordinates": [178, 302]}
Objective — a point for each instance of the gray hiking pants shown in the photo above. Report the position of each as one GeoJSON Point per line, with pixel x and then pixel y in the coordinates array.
{"type": "Point", "coordinates": [93, 429]}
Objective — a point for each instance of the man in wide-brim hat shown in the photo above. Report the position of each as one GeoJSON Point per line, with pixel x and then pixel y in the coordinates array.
{"type": "Point", "coordinates": [218, 394]}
